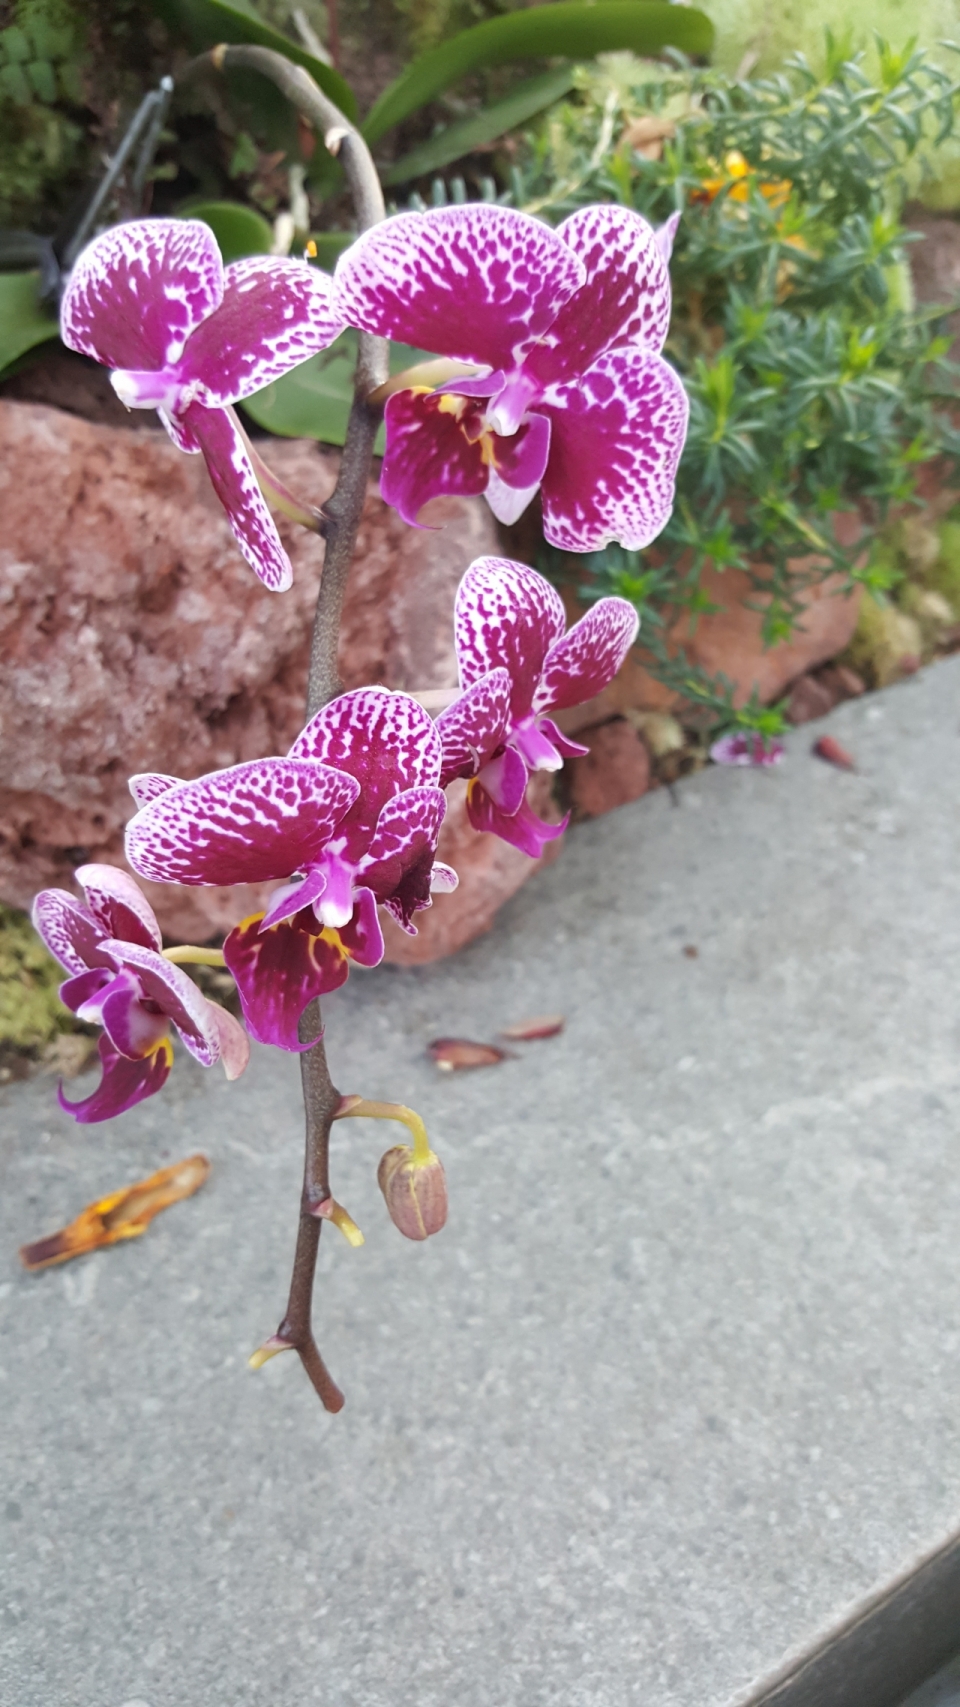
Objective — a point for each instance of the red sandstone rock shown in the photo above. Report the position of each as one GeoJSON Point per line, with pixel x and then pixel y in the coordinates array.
{"type": "Point", "coordinates": [134, 637]}
{"type": "Point", "coordinates": [616, 769]}
{"type": "Point", "coordinates": [809, 699]}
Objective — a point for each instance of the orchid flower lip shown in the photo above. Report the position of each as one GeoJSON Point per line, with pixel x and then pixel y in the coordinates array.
{"type": "Point", "coordinates": [147, 389]}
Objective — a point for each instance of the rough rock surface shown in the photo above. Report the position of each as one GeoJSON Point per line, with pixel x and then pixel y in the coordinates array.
{"type": "Point", "coordinates": [134, 637]}
{"type": "Point", "coordinates": [614, 770]}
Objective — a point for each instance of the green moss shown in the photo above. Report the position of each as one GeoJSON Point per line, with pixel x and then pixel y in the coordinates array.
{"type": "Point", "coordinates": [944, 576]}
{"type": "Point", "coordinates": [31, 1013]}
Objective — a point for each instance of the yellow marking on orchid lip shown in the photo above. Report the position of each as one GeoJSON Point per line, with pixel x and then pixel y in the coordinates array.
{"type": "Point", "coordinates": [155, 1048]}
{"type": "Point", "coordinates": [311, 254]}
{"type": "Point", "coordinates": [360, 1109]}
{"type": "Point", "coordinates": [187, 955]}
{"type": "Point", "coordinates": [423, 376]}
{"type": "Point", "coordinates": [451, 403]}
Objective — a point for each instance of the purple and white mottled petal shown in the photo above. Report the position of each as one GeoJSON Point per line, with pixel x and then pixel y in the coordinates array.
{"type": "Point", "coordinates": [133, 1028]}
{"type": "Point", "coordinates": [279, 971]}
{"type": "Point", "coordinates": [428, 453]}
{"type": "Point", "coordinates": [386, 740]}
{"type": "Point", "coordinates": [504, 779]}
{"type": "Point", "coordinates": [474, 282]}
{"type": "Point", "coordinates": [665, 235]}
{"type": "Point", "coordinates": [443, 878]}
{"type": "Point", "coordinates": [745, 747]}
{"type": "Point", "coordinates": [275, 314]}
{"type": "Point", "coordinates": [617, 437]}
{"type": "Point", "coordinates": [123, 1083]}
{"type": "Point", "coordinates": [176, 995]}
{"type": "Point", "coordinates": [146, 786]}
{"type": "Point", "coordinates": [334, 905]}
{"type": "Point", "coordinates": [626, 299]}
{"type": "Point", "coordinates": [508, 502]}
{"type": "Point", "coordinates": [586, 660]}
{"type": "Point", "coordinates": [119, 905]}
{"type": "Point", "coordinates": [138, 291]}
{"type": "Point", "coordinates": [180, 433]}
{"type": "Point", "coordinates": [235, 484]}
{"type": "Point", "coordinates": [407, 827]}
{"type": "Point", "coordinates": [254, 823]}
{"type": "Point", "coordinates": [68, 929]}
{"type": "Point", "coordinates": [522, 829]}
{"type": "Point", "coordinates": [234, 1044]}
{"type": "Point", "coordinates": [506, 617]}
{"type": "Point", "coordinates": [473, 727]}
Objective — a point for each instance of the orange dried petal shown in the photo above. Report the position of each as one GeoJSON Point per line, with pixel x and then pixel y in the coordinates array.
{"type": "Point", "coordinates": [530, 1030]}
{"type": "Point", "coordinates": [123, 1215]}
{"type": "Point", "coordinates": [452, 1054]}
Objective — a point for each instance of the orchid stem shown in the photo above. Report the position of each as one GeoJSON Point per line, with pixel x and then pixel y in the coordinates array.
{"type": "Point", "coordinates": [186, 955]}
{"type": "Point", "coordinates": [361, 1109]}
{"type": "Point", "coordinates": [342, 514]}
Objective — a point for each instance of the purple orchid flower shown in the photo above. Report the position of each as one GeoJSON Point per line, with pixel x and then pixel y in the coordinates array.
{"type": "Point", "coordinates": [152, 300]}
{"type": "Point", "coordinates": [119, 979]}
{"type": "Point", "coordinates": [517, 664]}
{"type": "Point", "coordinates": [571, 394]}
{"type": "Point", "coordinates": [743, 747]}
{"type": "Point", "coordinates": [351, 816]}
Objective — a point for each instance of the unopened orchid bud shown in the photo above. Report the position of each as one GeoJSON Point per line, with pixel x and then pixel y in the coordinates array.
{"type": "Point", "coordinates": [415, 1192]}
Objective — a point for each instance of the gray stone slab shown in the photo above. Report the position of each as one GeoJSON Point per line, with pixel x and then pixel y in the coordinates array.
{"type": "Point", "coordinates": [675, 1393]}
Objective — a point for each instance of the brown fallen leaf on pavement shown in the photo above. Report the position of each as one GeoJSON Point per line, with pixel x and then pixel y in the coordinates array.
{"type": "Point", "coordinates": [529, 1030]}
{"type": "Point", "coordinates": [123, 1215]}
{"type": "Point", "coordinates": [453, 1054]}
{"type": "Point", "coordinates": [829, 748]}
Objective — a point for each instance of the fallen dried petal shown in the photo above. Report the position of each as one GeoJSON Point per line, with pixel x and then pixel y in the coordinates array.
{"type": "Point", "coordinates": [123, 1215]}
{"type": "Point", "coordinates": [829, 748]}
{"type": "Point", "coordinates": [529, 1030]}
{"type": "Point", "coordinates": [452, 1054]}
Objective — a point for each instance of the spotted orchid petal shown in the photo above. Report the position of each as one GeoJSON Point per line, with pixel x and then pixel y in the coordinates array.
{"type": "Point", "coordinates": [429, 454]}
{"type": "Point", "coordinates": [665, 235]}
{"type": "Point", "coordinates": [508, 502]}
{"type": "Point", "coordinates": [626, 299]}
{"type": "Point", "coordinates": [588, 657]}
{"type": "Point", "coordinates": [139, 290]}
{"type": "Point", "coordinates": [474, 282]}
{"type": "Point", "coordinates": [506, 616]}
{"type": "Point", "coordinates": [275, 313]}
{"type": "Point", "coordinates": [182, 435]}
{"type": "Point", "coordinates": [412, 894]}
{"type": "Point", "coordinates": [407, 829]}
{"type": "Point", "coordinates": [122, 1084]}
{"type": "Point", "coordinates": [69, 930]}
{"type": "Point", "coordinates": [616, 441]}
{"type": "Point", "coordinates": [146, 785]}
{"type": "Point", "coordinates": [256, 822]}
{"type": "Point", "coordinates": [473, 727]}
{"type": "Point", "coordinates": [746, 747]}
{"type": "Point", "coordinates": [173, 993]}
{"type": "Point", "coordinates": [387, 741]}
{"type": "Point", "coordinates": [231, 472]}
{"type": "Point", "coordinates": [560, 743]}
{"type": "Point", "coordinates": [118, 905]}
{"type": "Point", "coordinates": [361, 937]}
{"type": "Point", "coordinates": [279, 972]}
{"type": "Point", "coordinates": [522, 829]}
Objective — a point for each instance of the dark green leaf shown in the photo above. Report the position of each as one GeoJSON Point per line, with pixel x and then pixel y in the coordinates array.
{"type": "Point", "coordinates": [208, 22]}
{"type": "Point", "coordinates": [40, 73]}
{"type": "Point", "coordinates": [238, 230]}
{"type": "Point", "coordinates": [23, 322]}
{"type": "Point", "coordinates": [575, 29]}
{"type": "Point", "coordinates": [313, 401]}
{"type": "Point", "coordinates": [330, 246]}
{"type": "Point", "coordinates": [521, 104]}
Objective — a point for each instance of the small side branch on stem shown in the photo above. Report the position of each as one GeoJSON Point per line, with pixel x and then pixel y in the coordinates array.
{"type": "Point", "coordinates": [342, 515]}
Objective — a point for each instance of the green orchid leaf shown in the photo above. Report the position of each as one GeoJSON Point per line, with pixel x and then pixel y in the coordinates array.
{"type": "Point", "coordinates": [313, 400]}
{"type": "Point", "coordinates": [23, 323]}
{"type": "Point", "coordinates": [575, 29]}
{"type": "Point", "coordinates": [239, 230]}
{"type": "Point", "coordinates": [208, 22]}
{"type": "Point", "coordinates": [458, 139]}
